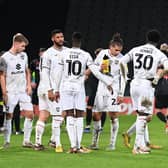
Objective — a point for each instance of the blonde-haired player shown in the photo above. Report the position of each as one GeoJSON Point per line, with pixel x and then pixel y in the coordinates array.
{"type": "Point", "coordinates": [16, 86]}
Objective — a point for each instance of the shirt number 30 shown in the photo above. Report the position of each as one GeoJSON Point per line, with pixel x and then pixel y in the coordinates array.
{"type": "Point", "coordinates": [143, 61]}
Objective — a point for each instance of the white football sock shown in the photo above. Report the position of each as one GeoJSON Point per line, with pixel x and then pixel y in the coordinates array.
{"type": "Point", "coordinates": [40, 125]}
{"type": "Point", "coordinates": [8, 128]}
{"type": "Point", "coordinates": [96, 132]}
{"type": "Point", "coordinates": [52, 130]}
{"type": "Point", "coordinates": [27, 129]}
{"type": "Point", "coordinates": [79, 128]}
{"type": "Point", "coordinates": [57, 121]}
{"type": "Point", "coordinates": [114, 131]}
{"type": "Point", "coordinates": [71, 130]}
{"type": "Point", "coordinates": [140, 131]}
{"type": "Point", "coordinates": [147, 140]}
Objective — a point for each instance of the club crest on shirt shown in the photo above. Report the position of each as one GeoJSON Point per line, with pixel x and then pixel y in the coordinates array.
{"type": "Point", "coordinates": [116, 62]}
{"type": "Point", "coordinates": [57, 109]}
{"type": "Point", "coordinates": [22, 57]}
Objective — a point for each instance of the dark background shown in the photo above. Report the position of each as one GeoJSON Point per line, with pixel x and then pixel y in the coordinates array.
{"type": "Point", "coordinates": [96, 19]}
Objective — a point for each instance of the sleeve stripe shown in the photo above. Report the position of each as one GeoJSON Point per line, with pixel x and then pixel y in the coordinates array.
{"type": "Point", "coordinates": [46, 67]}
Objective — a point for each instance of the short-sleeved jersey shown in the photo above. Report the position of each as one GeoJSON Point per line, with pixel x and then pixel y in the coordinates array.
{"type": "Point", "coordinates": [48, 63]}
{"type": "Point", "coordinates": [146, 59]}
{"type": "Point", "coordinates": [114, 70]}
{"type": "Point", "coordinates": [15, 68]}
{"type": "Point", "coordinates": [74, 62]}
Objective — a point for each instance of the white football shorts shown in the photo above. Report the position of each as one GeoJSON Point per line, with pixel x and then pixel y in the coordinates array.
{"type": "Point", "coordinates": [23, 99]}
{"type": "Point", "coordinates": [52, 107]}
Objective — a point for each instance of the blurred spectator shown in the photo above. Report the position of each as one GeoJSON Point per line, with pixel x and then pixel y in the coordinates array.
{"type": "Point", "coordinates": [161, 92]}
{"type": "Point", "coordinates": [35, 77]}
{"type": "Point", "coordinates": [91, 88]}
{"type": "Point", "coordinates": [16, 121]}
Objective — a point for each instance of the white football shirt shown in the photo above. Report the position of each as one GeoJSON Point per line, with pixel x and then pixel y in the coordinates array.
{"type": "Point", "coordinates": [146, 59]}
{"type": "Point", "coordinates": [74, 63]}
{"type": "Point", "coordinates": [15, 68]}
{"type": "Point", "coordinates": [48, 65]}
{"type": "Point", "coordinates": [114, 70]}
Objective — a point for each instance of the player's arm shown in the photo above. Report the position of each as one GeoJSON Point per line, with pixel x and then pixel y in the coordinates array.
{"type": "Point", "coordinates": [58, 74]}
{"type": "Point", "coordinates": [165, 66]}
{"type": "Point", "coordinates": [122, 81]}
{"type": "Point", "coordinates": [46, 77]}
{"type": "Point", "coordinates": [28, 81]}
{"type": "Point", "coordinates": [87, 73]}
{"type": "Point", "coordinates": [161, 72]}
{"type": "Point", "coordinates": [95, 69]}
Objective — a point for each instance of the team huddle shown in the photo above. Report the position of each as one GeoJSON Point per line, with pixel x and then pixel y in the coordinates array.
{"type": "Point", "coordinates": [61, 89]}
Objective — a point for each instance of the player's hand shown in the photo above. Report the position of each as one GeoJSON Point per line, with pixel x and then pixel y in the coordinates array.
{"type": "Point", "coordinates": [33, 85]}
{"type": "Point", "coordinates": [109, 87]}
{"type": "Point", "coordinates": [86, 77]}
{"type": "Point", "coordinates": [120, 99]}
{"type": "Point", "coordinates": [51, 95]}
{"type": "Point", "coordinates": [103, 67]}
{"type": "Point", "coordinates": [5, 98]}
{"type": "Point", "coordinates": [29, 90]}
{"type": "Point", "coordinates": [57, 96]}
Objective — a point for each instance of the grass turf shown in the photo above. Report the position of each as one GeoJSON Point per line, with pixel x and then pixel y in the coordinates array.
{"type": "Point", "coordinates": [18, 157]}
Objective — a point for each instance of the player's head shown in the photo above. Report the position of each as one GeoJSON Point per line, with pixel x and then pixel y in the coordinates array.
{"type": "Point", "coordinates": [41, 51]}
{"type": "Point", "coordinates": [163, 47]}
{"type": "Point", "coordinates": [97, 51]}
{"type": "Point", "coordinates": [19, 42]}
{"type": "Point", "coordinates": [153, 36]}
{"type": "Point", "coordinates": [116, 44]}
{"type": "Point", "coordinates": [57, 37]}
{"type": "Point", "coordinates": [76, 39]}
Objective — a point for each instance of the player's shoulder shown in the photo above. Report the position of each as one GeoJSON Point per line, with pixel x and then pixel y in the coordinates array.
{"type": "Point", "coordinates": [5, 54]}
{"type": "Point", "coordinates": [80, 51]}
{"type": "Point", "coordinates": [48, 51]}
{"type": "Point", "coordinates": [155, 50]}
{"type": "Point", "coordinates": [104, 51]}
{"type": "Point", "coordinates": [23, 54]}
{"type": "Point", "coordinates": [85, 52]}
{"type": "Point", "coordinates": [101, 54]}
{"type": "Point", "coordinates": [119, 56]}
{"type": "Point", "coordinates": [136, 48]}
{"type": "Point", "coordinates": [64, 48]}
{"type": "Point", "coordinates": [8, 54]}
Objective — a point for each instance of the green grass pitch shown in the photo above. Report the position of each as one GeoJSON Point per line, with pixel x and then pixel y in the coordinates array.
{"type": "Point", "coordinates": [122, 157]}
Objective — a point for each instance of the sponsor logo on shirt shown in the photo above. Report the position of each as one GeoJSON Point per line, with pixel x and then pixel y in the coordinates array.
{"type": "Point", "coordinates": [18, 67]}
